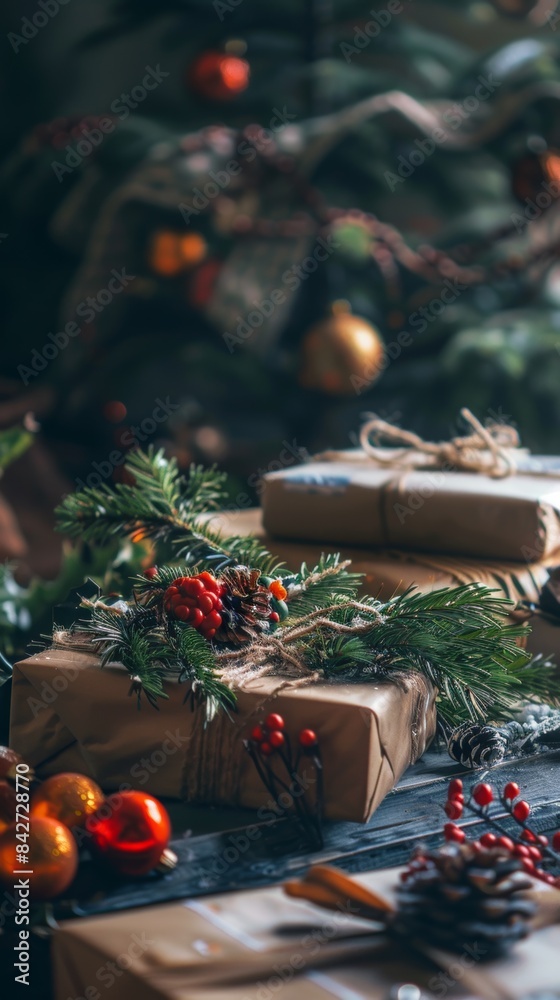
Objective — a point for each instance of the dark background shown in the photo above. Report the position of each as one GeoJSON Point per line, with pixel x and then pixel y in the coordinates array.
{"type": "Point", "coordinates": [495, 348]}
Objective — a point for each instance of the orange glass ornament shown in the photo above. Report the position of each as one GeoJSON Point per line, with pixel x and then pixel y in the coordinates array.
{"type": "Point", "coordinates": [69, 798]}
{"type": "Point", "coordinates": [131, 832]}
{"type": "Point", "coordinates": [193, 249]}
{"type": "Point", "coordinates": [163, 253]}
{"type": "Point", "coordinates": [341, 355]}
{"type": "Point", "coordinates": [52, 858]}
{"type": "Point", "coordinates": [219, 76]}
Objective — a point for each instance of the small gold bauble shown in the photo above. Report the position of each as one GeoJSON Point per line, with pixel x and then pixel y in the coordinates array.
{"type": "Point", "coordinates": [52, 857]}
{"type": "Point", "coordinates": [69, 798]}
{"type": "Point", "coordinates": [341, 355]}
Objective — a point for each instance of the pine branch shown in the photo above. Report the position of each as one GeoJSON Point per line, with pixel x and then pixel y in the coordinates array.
{"type": "Point", "coordinates": [166, 507]}
{"type": "Point", "coordinates": [458, 638]}
{"type": "Point", "coordinates": [150, 652]}
{"type": "Point", "coordinates": [314, 588]}
{"type": "Point", "coordinates": [132, 639]}
{"type": "Point", "coordinates": [198, 665]}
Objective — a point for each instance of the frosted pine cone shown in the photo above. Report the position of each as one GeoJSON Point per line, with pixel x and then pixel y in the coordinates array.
{"type": "Point", "coordinates": [462, 895]}
{"type": "Point", "coordinates": [473, 745]}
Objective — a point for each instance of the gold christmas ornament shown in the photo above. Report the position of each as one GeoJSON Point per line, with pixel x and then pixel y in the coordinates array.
{"type": "Point", "coordinates": [341, 355]}
{"type": "Point", "coordinates": [69, 798]}
{"type": "Point", "coordinates": [52, 857]}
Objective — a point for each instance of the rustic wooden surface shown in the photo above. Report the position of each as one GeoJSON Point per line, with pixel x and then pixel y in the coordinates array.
{"type": "Point", "coordinates": [215, 855]}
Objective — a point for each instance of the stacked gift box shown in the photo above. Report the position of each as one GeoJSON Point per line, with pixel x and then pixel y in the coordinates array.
{"type": "Point", "coordinates": [430, 528]}
{"type": "Point", "coordinates": [400, 526]}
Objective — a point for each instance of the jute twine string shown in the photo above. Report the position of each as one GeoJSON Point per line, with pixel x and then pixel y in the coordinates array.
{"type": "Point", "coordinates": [490, 450]}
{"type": "Point", "coordinates": [493, 450]}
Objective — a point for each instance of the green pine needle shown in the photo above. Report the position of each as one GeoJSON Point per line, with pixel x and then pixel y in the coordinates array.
{"type": "Point", "coordinates": [318, 587]}
{"type": "Point", "coordinates": [459, 638]}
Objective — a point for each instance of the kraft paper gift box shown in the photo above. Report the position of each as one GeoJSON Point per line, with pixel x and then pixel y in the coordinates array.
{"type": "Point", "coordinates": [351, 501]}
{"type": "Point", "coordinates": [389, 572]}
{"type": "Point", "coordinates": [544, 636]}
{"type": "Point", "coordinates": [262, 945]}
{"type": "Point", "coordinates": [69, 714]}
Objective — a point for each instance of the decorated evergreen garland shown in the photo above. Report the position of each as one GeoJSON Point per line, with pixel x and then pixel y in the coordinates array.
{"type": "Point", "coordinates": [224, 610]}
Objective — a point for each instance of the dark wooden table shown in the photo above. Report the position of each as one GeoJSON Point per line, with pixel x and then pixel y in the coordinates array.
{"type": "Point", "coordinates": [216, 855]}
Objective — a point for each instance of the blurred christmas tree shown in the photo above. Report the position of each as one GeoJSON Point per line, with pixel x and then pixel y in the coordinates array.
{"type": "Point", "coordinates": [406, 161]}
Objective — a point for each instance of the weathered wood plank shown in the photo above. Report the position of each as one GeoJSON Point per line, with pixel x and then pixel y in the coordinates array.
{"type": "Point", "coordinates": [229, 859]}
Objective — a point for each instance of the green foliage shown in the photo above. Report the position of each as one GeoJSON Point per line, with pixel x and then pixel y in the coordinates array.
{"type": "Point", "coordinates": [13, 443]}
{"type": "Point", "coordinates": [198, 662]}
{"type": "Point", "coordinates": [458, 638]}
{"type": "Point", "coordinates": [166, 507]}
{"type": "Point", "coordinates": [26, 612]}
{"type": "Point", "coordinates": [152, 650]}
{"type": "Point", "coordinates": [319, 586]}
{"type": "Point", "coordinates": [134, 640]}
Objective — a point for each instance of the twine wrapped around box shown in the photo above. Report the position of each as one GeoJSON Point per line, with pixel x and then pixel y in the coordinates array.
{"type": "Point", "coordinates": [478, 495]}
{"type": "Point", "coordinates": [68, 714]}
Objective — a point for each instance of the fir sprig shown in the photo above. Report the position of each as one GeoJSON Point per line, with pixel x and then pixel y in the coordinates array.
{"type": "Point", "coordinates": [316, 587]}
{"type": "Point", "coordinates": [168, 507]}
{"type": "Point", "coordinates": [133, 639]}
{"type": "Point", "coordinates": [459, 638]}
{"type": "Point", "coordinates": [150, 651]}
{"type": "Point", "coordinates": [198, 665]}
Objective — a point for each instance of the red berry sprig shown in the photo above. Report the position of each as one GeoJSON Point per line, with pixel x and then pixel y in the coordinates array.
{"type": "Point", "coordinates": [531, 848]}
{"type": "Point", "coordinates": [197, 601]}
{"type": "Point", "coordinates": [268, 740]}
{"type": "Point", "coordinates": [269, 736]}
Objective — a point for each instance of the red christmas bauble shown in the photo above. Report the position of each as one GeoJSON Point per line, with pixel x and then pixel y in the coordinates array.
{"type": "Point", "coordinates": [131, 832]}
{"type": "Point", "coordinates": [219, 76]}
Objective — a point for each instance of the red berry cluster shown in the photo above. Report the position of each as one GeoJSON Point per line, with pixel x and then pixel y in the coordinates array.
{"type": "Point", "coordinates": [532, 849]}
{"type": "Point", "coordinates": [270, 749]}
{"type": "Point", "coordinates": [269, 736]}
{"type": "Point", "coordinates": [196, 600]}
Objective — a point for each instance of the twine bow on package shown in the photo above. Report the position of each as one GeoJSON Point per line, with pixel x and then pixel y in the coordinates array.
{"type": "Point", "coordinates": [481, 495]}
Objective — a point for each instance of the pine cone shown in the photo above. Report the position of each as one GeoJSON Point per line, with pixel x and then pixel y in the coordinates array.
{"type": "Point", "coordinates": [473, 745]}
{"type": "Point", "coordinates": [462, 896]}
{"type": "Point", "coordinates": [246, 605]}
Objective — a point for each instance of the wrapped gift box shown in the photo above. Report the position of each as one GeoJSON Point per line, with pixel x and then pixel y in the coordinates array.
{"type": "Point", "coordinates": [260, 945]}
{"type": "Point", "coordinates": [68, 714]}
{"type": "Point", "coordinates": [544, 636]}
{"type": "Point", "coordinates": [354, 502]}
{"type": "Point", "coordinates": [389, 572]}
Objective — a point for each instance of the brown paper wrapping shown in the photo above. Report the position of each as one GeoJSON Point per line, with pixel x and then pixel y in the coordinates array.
{"type": "Point", "coordinates": [544, 636]}
{"type": "Point", "coordinates": [239, 947]}
{"type": "Point", "coordinates": [68, 714]}
{"type": "Point", "coordinates": [352, 502]}
{"type": "Point", "coordinates": [389, 572]}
